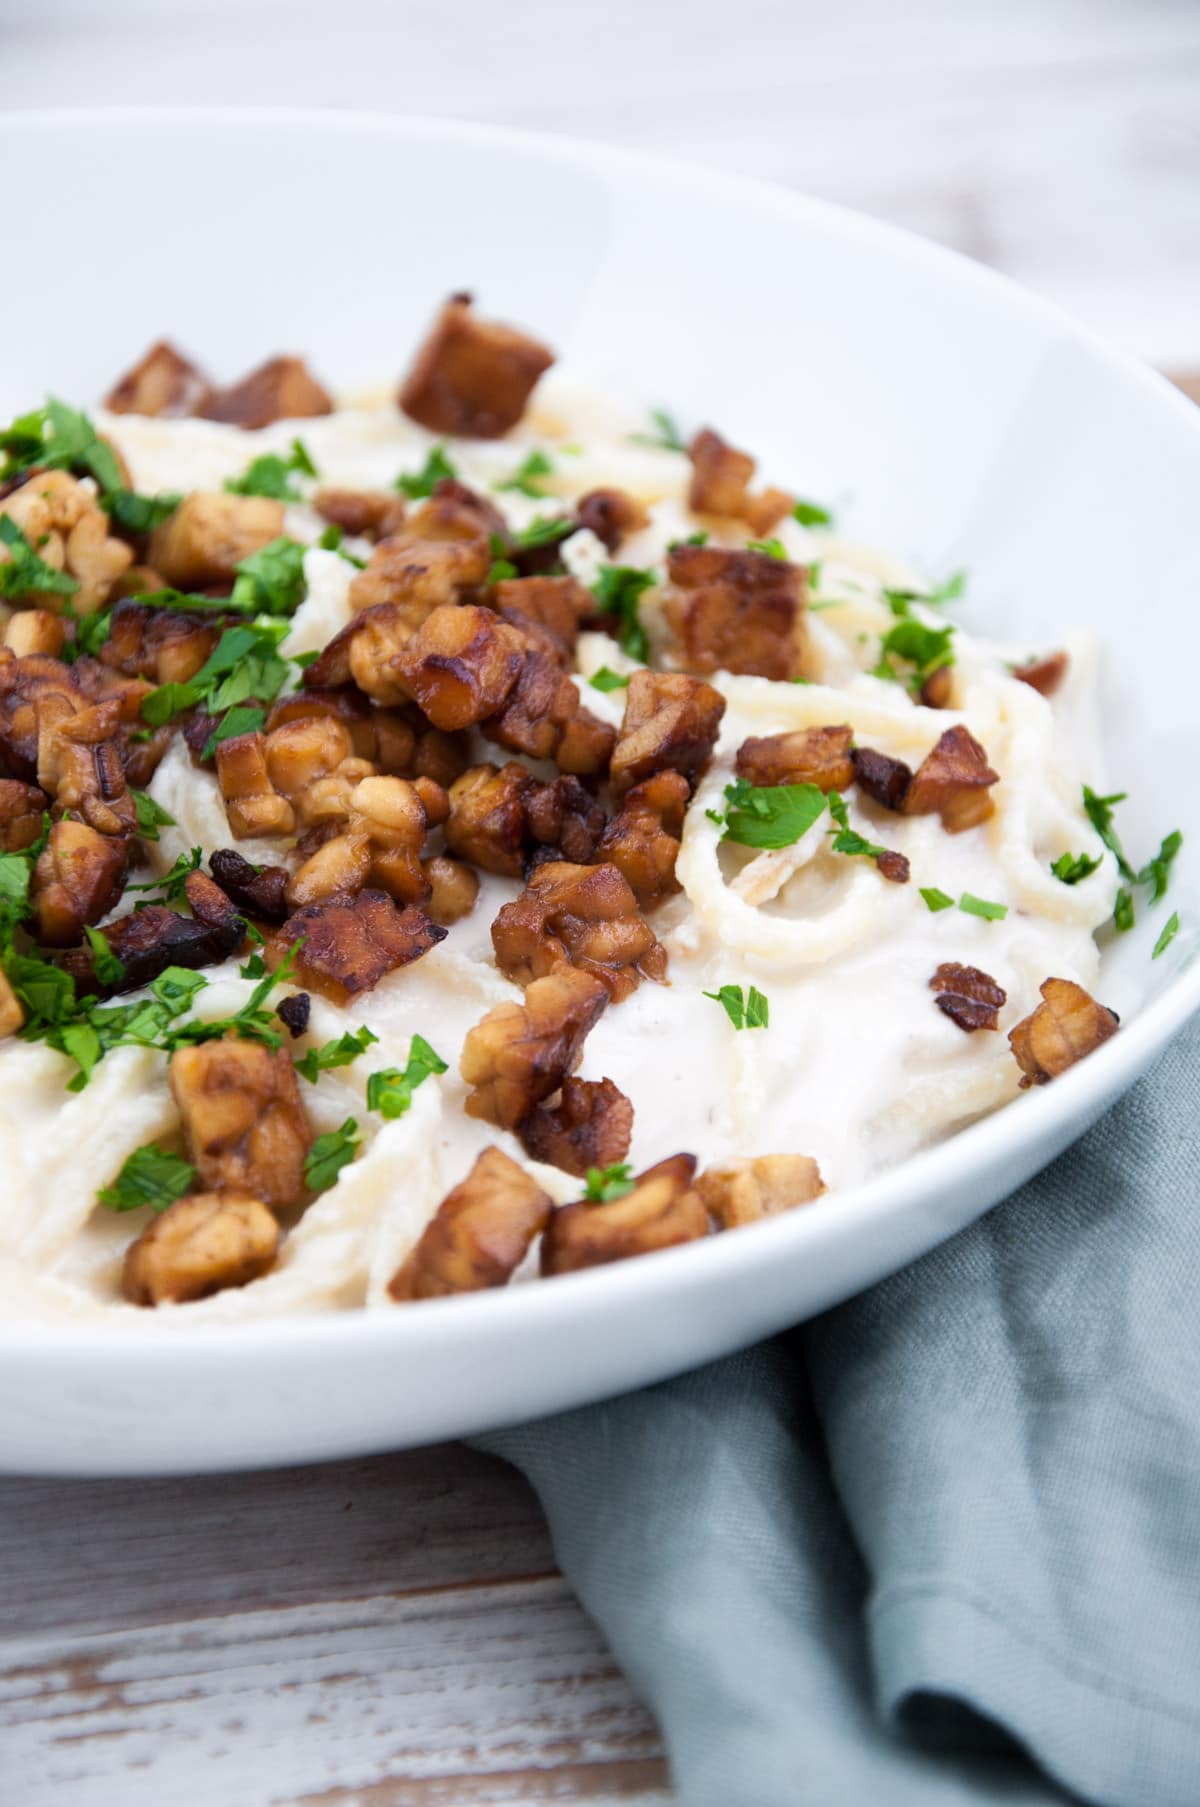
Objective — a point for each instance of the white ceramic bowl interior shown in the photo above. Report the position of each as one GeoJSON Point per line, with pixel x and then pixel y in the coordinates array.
{"type": "Point", "coordinates": [950, 415]}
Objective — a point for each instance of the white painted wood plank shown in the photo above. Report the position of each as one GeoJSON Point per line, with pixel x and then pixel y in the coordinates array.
{"type": "Point", "coordinates": [271, 1708]}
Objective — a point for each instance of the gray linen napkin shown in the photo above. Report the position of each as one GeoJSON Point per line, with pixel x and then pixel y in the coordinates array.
{"type": "Point", "coordinates": [942, 1544]}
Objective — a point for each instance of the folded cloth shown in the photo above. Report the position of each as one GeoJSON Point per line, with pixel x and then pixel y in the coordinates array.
{"type": "Point", "coordinates": [942, 1544]}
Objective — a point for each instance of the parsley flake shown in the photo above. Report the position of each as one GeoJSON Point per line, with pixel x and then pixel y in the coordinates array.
{"type": "Point", "coordinates": [1170, 930]}
{"type": "Point", "coordinates": [436, 469]}
{"type": "Point", "coordinates": [924, 649]}
{"type": "Point", "coordinates": [151, 816]}
{"type": "Point", "coordinates": [666, 437]}
{"type": "Point", "coordinates": [1124, 913]}
{"type": "Point", "coordinates": [525, 479]}
{"type": "Point", "coordinates": [109, 970]}
{"type": "Point", "coordinates": [773, 548]}
{"type": "Point", "coordinates": [271, 580]}
{"type": "Point", "coordinates": [1071, 868]}
{"type": "Point", "coordinates": [606, 679]}
{"type": "Point", "coordinates": [136, 514]}
{"type": "Point", "coordinates": [603, 1184]}
{"type": "Point", "coordinates": [618, 591]}
{"type": "Point", "coordinates": [59, 438]}
{"type": "Point", "coordinates": [811, 514]}
{"type": "Point", "coordinates": [151, 1176]}
{"type": "Point", "coordinates": [339, 1053]}
{"type": "Point", "coordinates": [269, 475]}
{"type": "Point", "coordinates": [744, 1010]}
{"type": "Point", "coordinates": [23, 573]}
{"type": "Point", "coordinates": [1100, 815]}
{"type": "Point", "coordinates": [980, 906]}
{"type": "Point", "coordinates": [1157, 872]}
{"type": "Point", "coordinates": [936, 900]}
{"type": "Point", "coordinates": [546, 530]}
{"type": "Point", "coordinates": [390, 1091]}
{"type": "Point", "coordinates": [329, 1154]}
{"type": "Point", "coordinates": [774, 815]}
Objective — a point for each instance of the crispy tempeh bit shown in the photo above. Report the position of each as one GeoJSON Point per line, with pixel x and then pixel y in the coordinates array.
{"type": "Point", "coordinates": [198, 1246]}
{"type": "Point", "coordinates": [969, 997]}
{"type": "Point", "coordinates": [487, 820]}
{"type": "Point", "coordinates": [545, 719]}
{"type": "Point", "coordinates": [351, 943]}
{"type": "Point", "coordinates": [938, 689]}
{"type": "Point", "coordinates": [953, 781]}
{"type": "Point", "coordinates": [642, 840]}
{"type": "Point", "coordinates": [21, 809]}
{"type": "Point", "coordinates": [35, 631]}
{"type": "Point", "coordinates": [26, 685]}
{"type": "Point", "coordinates": [612, 515]}
{"type": "Point", "coordinates": [1044, 675]}
{"type": "Point", "coordinates": [65, 525]}
{"type": "Point", "coordinates": [751, 1190]}
{"type": "Point", "coordinates": [258, 890]}
{"type": "Point", "coordinates": [461, 665]}
{"type": "Point", "coordinates": [418, 575]}
{"type": "Point", "coordinates": [12, 1015]}
{"type": "Point", "coordinates": [663, 1210]}
{"type": "Point", "coordinates": [167, 645]}
{"type": "Point", "coordinates": [252, 804]}
{"type": "Point", "coordinates": [547, 610]}
{"type": "Point", "coordinates": [148, 940]}
{"type": "Point", "coordinates": [586, 916]}
{"type": "Point", "coordinates": [453, 889]}
{"type": "Point", "coordinates": [820, 756]}
{"type": "Point", "coordinates": [471, 377]}
{"type": "Point", "coordinates": [519, 1054]}
{"type": "Point", "coordinates": [367, 653]}
{"type": "Point", "coordinates": [884, 779]}
{"type": "Point", "coordinates": [590, 1126]}
{"type": "Point", "coordinates": [564, 819]}
{"type": "Point", "coordinates": [243, 1119]}
{"type": "Point", "coordinates": [77, 879]}
{"type": "Point", "coordinates": [721, 484]}
{"type": "Point", "coordinates": [369, 514]}
{"type": "Point", "coordinates": [79, 764]}
{"type": "Point", "coordinates": [162, 383]}
{"type": "Point", "coordinates": [480, 1234]}
{"type": "Point", "coordinates": [454, 512]}
{"type": "Point", "coordinates": [671, 724]}
{"type": "Point", "coordinates": [203, 542]}
{"type": "Point", "coordinates": [380, 844]}
{"type": "Point", "coordinates": [1063, 1028]}
{"type": "Point", "coordinates": [280, 389]}
{"type": "Point", "coordinates": [737, 611]}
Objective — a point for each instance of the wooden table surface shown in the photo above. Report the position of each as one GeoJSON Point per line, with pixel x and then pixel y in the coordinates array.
{"type": "Point", "coordinates": [394, 1632]}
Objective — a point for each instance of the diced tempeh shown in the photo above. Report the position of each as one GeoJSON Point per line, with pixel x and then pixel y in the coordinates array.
{"type": "Point", "coordinates": [77, 879]}
{"type": "Point", "coordinates": [471, 377]}
{"type": "Point", "coordinates": [1068, 1024]}
{"type": "Point", "coordinates": [281, 389]}
{"type": "Point", "coordinates": [671, 724]}
{"type": "Point", "coordinates": [201, 545]}
{"type": "Point", "coordinates": [751, 1190]}
{"type": "Point", "coordinates": [350, 943]}
{"type": "Point", "coordinates": [953, 781]}
{"type": "Point", "coordinates": [585, 916]}
{"type": "Point", "coordinates": [969, 997]}
{"type": "Point", "coordinates": [663, 1210]}
{"type": "Point", "coordinates": [737, 611]}
{"type": "Point", "coordinates": [519, 1054]}
{"type": "Point", "coordinates": [820, 756]}
{"type": "Point", "coordinates": [252, 804]}
{"type": "Point", "coordinates": [590, 1126]}
{"type": "Point", "coordinates": [479, 1235]}
{"type": "Point", "coordinates": [243, 1119]}
{"type": "Point", "coordinates": [642, 841]}
{"type": "Point", "coordinates": [612, 515]}
{"type": "Point", "coordinates": [200, 1245]}
{"type": "Point", "coordinates": [162, 383]}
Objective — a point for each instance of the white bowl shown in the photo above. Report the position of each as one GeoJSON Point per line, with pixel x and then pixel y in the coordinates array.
{"type": "Point", "coordinates": [967, 423]}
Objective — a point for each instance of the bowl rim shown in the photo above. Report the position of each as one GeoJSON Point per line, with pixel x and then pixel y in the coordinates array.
{"type": "Point", "coordinates": [1041, 1116]}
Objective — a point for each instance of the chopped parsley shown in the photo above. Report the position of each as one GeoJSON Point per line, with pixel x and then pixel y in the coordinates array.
{"type": "Point", "coordinates": [936, 900]}
{"type": "Point", "coordinates": [91, 632]}
{"type": "Point", "coordinates": [151, 1176]}
{"type": "Point", "coordinates": [774, 815]}
{"type": "Point", "coordinates": [774, 548]}
{"type": "Point", "coordinates": [607, 679]}
{"type": "Point", "coordinates": [847, 839]}
{"type": "Point", "coordinates": [271, 580]}
{"type": "Point", "coordinates": [526, 478]}
{"type": "Point", "coordinates": [329, 1154]}
{"type": "Point", "coordinates": [618, 591]}
{"type": "Point", "coordinates": [923, 649]}
{"type": "Point", "coordinates": [666, 435]}
{"type": "Point", "coordinates": [436, 469]}
{"type": "Point", "coordinates": [502, 567]}
{"type": "Point", "coordinates": [1124, 914]}
{"type": "Point", "coordinates": [1071, 868]}
{"type": "Point", "coordinates": [900, 601]}
{"type": "Point", "coordinates": [693, 539]}
{"type": "Point", "coordinates": [339, 1053]}
{"type": "Point", "coordinates": [1100, 815]}
{"type": "Point", "coordinates": [744, 1010]}
{"type": "Point", "coordinates": [139, 514]}
{"type": "Point", "coordinates": [151, 816]}
{"type": "Point", "coordinates": [979, 906]}
{"type": "Point", "coordinates": [108, 969]}
{"type": "Point", "coordinates": [170, 886]}
{"type": "Point", "coordinates": [331, 541]}
{"type": "Point", "coordinates": [270, 475]}
{"type": "Point", "coordinates": [59, 438]}
{"type": "Point", "coordinates": [390, 1091]}
{"type": "Point", "coordinates": [1157, 872]}
{"type": "Point", "coordinates": [1170, 930]}
{"type": "Point", "coordinates": [244, 664]}
{"type": "Point", "coordinates": [546, 530]}
{"type": "Point", "coordinates": [603, 1184]}
{"type": "Point", "coordinates": [811, 514]}
{"type": "Point", "coordinates": [23, 573]}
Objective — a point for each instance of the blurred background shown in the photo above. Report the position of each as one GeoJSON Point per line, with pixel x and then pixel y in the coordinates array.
{"type": "Point", "coordinates": [1056, 139]}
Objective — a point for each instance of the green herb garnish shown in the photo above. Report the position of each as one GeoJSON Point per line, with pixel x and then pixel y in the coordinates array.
{"type": "Point", "coordinates": [1071, 868]}
{"type": "Point", "coordinates": [773, 548]}
{"type": "Point", "coordinates": [546, 530]}
{"type": "Point", "coordinates": [979, 906]}
{"type": "Point", "coordinates": [108, 969]}
{"type": "Point", "coordinates": [436, 469]}
{"type": "Point", "coordinates": [390, 1092]}
{"type": "Point", "coordinates": [618, 591]}
{"type": "Point", "coordinates": [846, 839]}
{"type": "Point", "coordinates": [329, 1154]}
{"type": "Point", "coordinates": [139, 514]}
{"type": "Point", "coordinates": [602, 1184]}
{"type": "Point", "coordinates": [774, 815]}
{"type": "Point", "coordinates": [151, 1176]}
{"type": "Point", "coordinates": [811, 514]}
{"type": "Point", "coordinates": [151, 816]}
{"type": "Point", "coordinates": [23, 573]}
{"type": "Point", "coordinates": [936, 900]}
{"type": "Point", "coordinates": [744, 1010]}
{"type": "Point", "coordinates": [606, 679]}
{"type": "Point", "coordinates": [1157, 872]}
{"type": "Point", "coordinates": [666, 436]}
{"type": "Point", "coordinates": [339, 1053]}
{"type": "Point", "coordinates": [1100, 815]}
{"type": "Point", "coordinates": [1170, 930]}
{"type": "Point", "coordinates": [270, 475]}
{"type": "Point", "coordinates": [924, 649]}
{"type": "Point", "coordinates": [1124, 914]}
{"type": "Point", "coordinates": [271, 580]}
{"type": "Point", "coordinates": [525, 479]}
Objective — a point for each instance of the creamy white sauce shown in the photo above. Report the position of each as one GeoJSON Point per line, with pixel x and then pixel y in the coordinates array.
{"type": "Point", "coordinates": [858, 1068]}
